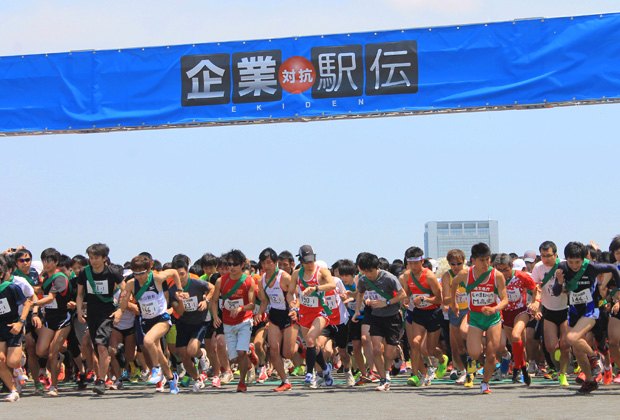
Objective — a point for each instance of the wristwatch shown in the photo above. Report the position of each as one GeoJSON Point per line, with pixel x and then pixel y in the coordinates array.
{"type": "Point", "coordinates": [388, 303]}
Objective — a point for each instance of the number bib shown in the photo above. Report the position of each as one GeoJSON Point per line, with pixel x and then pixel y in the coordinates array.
{"type": "Point", "coordinates": [230, 304]}
{"type": "Point", "coordinates": [332, 302]}
{"type": "Point", "coordinates": [275, 298]}
{"type": "Point", "coordinates": [461, 297]}
{"type": "Point", "coordinates": [579, 298]}
{"type": "Point", "coordinates": [351, 306]}
{"type": "Point", "coordinates": [423, 304]}
{"type": "Point", "coordinates": [52, 305]}
{"type": "Point", "coordinates": [309, 301]}
{"type": "Point", "coordinates": [482, 298]}
{"type": "Point", "coordinates": [4, 306]}
{"type": "Point", "coordinates": [101, 287]}
{"type": "Point", "coordinates": [149, 309]}
{"type": "Point", "coordinates": [191, 304]}
{"type": "Point", "coordinates": [372, 295]}
{"type": "Point", "coordinates": [514, 295]}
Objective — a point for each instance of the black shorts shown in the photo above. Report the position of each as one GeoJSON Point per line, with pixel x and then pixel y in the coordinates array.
{"type": "Point", "coordinates": [367, 314]}
{"type": "Point", "coordinates": [557, 317]}
{"type": "Point", "coordinates": [126, 333]}
{"type": "Point", "coordinates": [11, 340]}
{"type": "Point", "coordinates": [279, 318]}
{"type": "Point", "coordinates": [187, 332]}
{"type": "Point", "coordinates": [537, 325]}
{"type": "Point", "coordinates": [212, 330]}
{"type": "Point", "coordinates": [355, 330]}
{"type": "Point", "coordinates": [56, 322]}
{"type": "Point", "coordinates": [147, 324]}
{"type": "Point", "coordinates": [430, 319]}
{"type": "Point", "coordinates": [100, 329]}
{"type": "Point", "coordinates": [388, 327]}
{"type": "Point", "coordinates": [338, 333]}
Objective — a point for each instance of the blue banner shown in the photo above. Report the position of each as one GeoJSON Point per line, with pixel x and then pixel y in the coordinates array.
{"type": "Point", "coordinates": [504, 64]}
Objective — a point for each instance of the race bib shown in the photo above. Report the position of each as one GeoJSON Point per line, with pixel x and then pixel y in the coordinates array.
{"type": "Point", "coordinates": [149, 309]}
{"type": "Point", "coordinates": [309, 301]}
{"type": "Point", "coordinates": [101, 287]}
{"type": "Point", "coordinates": [52, 305]}
{"type": "Point", "coordinates": [275, 298]}
{"type": "Point", "coordinates": [4, 306]}
{"type": "Point", "coordinates": [191, 304]}
{"type": "Point", "coordinates": [579, 298]}
{"type": "Point", "coordinates": [514, 295]}
{"type": "Point", "coordinates": [332, 302]}
{"type": "Point", "coordinates": [423, 304]}
{"type": "Point", "coordinates": [461, 297]}
{"type": "Point", "coordinates": [373, 295]}
{"type": "Point", "coordinates": [351, 306]}
{"type": "Point", "coordinates": [230, 304]}
{"type": "Point", "coordinates": [482, 298]}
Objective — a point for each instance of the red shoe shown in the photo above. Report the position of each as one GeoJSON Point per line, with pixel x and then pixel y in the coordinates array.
{"type": "Point", "coordinates": [301, 349]}
{"type": "Point", "coordinates": [262, 377]}
{"type": "Point", "coordinates": [90, 377]}
{"type": "Point", "coordinates": [283, 387]}
{"type": "Point", "coordinates": [61, 374]}
{"type": "Point", "coordinates": [608, 377]}
{"type": "Point", "coordinates": [581, 378]}
{"type": "Point", "coordinates": [599, 377]}
{"type": "Point", "coordinates": [617, 379]}
{"type": "Point", "coordinates": [242, 387]}
{"type": "Point", "coordinates": [252, 355]}
{"type": "Point", "coordinates": [109, 382]}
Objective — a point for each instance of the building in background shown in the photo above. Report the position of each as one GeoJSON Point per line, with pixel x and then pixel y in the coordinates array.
{"type": "Point", "coordinates": [441, 237]}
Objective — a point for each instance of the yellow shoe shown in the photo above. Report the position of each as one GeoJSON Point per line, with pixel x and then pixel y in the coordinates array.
{"type": "Point", "coordinates": [562, 379]}
{"type": "Point", "coordinates": [469, 381]}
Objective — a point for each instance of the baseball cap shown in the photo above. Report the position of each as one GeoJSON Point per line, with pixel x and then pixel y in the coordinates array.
{"type": "Point", "coordinates": [529, 256]}
{"type": "Point", "coordinates": [518, 264]}
{"type": "Point", "coordinates": [306, 254]}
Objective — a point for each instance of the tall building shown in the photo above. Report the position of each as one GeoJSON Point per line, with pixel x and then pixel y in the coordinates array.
{"type": "Point", "coordinates": [441, 237]}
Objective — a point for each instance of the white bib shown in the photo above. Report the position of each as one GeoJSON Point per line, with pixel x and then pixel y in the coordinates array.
{"type": "Point", "coordinates": [373, 295]}
{"type": "Point", "coordinates": [4, 306]}
{"type": "Point", "coordinates": [309, 301]}
{"type": "Point", "coordinates": [101, 287]}
{"type": "Point", "coordinates": [461, 297]}
{"type": "Point", "coordinates": [514, 295]}
{"type": "Point", "coordinates": [52, 305]}
{"type": "Point", "coordinates": [482, 298]}
{"type": "Point", "coordinates": [230, 304]}
{"type": "Point", "coordinates": [191, 304]}
{"type": "Point", "coordinates": [275, 297]}
{"type": "Point", "coordinates": [332, 302]}
{"type": "Point", "coordinates": [149, 309]}
{"type": "Point", "coordinates": [578, 298]}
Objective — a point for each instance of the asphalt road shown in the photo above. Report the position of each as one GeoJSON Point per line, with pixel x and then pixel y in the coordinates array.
{"type": "Point", "coordinates": [544, 399]}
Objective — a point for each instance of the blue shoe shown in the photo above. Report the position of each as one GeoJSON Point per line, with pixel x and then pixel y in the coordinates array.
{"type": "Point", "coordinates": [505, 363]}
{"type": "Point", "coordinates": [327, 375]}
{"type": "Point", "coordinates": [309, 379]}
{"type": "Point", "coordinates": [156, 375]}
{"type": "Point", "coordinates": [174, 384]}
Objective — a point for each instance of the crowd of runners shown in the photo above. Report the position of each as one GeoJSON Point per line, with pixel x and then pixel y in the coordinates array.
{"type": "Point", "coordinates": [87, 322]}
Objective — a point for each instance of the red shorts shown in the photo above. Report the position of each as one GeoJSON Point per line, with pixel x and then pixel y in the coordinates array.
{"type": "Point", "coordinates": [308, 315]}
{"type": "Point", "coordinates": [509, 316]}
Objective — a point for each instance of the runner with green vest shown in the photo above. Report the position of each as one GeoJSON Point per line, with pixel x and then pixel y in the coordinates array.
{"type": "Point", "coordinates": [484, 285]}
{"type": "Point", "coordinates": [97, 284]}
{"type": "Point", "coordinates": [384, 295]}
{"type": "Point", "coordinates": [312, 282]}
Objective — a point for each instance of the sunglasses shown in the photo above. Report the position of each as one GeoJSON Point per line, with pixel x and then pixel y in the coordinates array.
{"type": "Point", "coordinates": [139, 273]}
{"type": "Point", "coordinates": [232, 264]}
{"type": "Point", "coordinates": [23, 260]}
{"type": "Point", "coordinates": [454, 264]}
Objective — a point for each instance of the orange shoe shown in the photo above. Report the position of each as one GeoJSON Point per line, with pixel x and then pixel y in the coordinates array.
{"type": "Point", "coordinates": [252, 355]}
{"type": "Point", "coordinates": [581, 378]}
{"type": "Point", "coordinates": [608, 377]}
{"type": "Point", "coordinates": [242, 387]}
{"type": "Point", "coordinates": [283, 387]}
{"type": "Point", "coordinates": [61, 374]}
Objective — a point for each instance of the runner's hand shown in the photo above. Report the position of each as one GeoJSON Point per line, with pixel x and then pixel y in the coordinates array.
{"type": "Point", "coordinates": [36, 322]}
{"type": "Point", "coordinates": [182, 295]}
{"type": "Point", "coordinates": [308, 290]}
{"type": "Point", "coordinates": [293, 315]}
{"type": "Point", "coordinates": [71, 305]}
{"type": "Point", "coordinates": [16, 327]}
{"type": "Point", "coordinates": [258, 318]}
{"type": "Point", "coordinates": [488, 311]}
{"type": "Point", "coordinates": [117, 316]}
{"type": "Point", "coordinates": [216, 321]}
{"type": "Point", "coordinates": [355, 315]}
{"type": "Point", "coordinates": [614, 309]}
{"type": "Point", "coordinates": [376, 303]}
{"type": "Point", "coordinates": [202, 306]}
{"type": "Point", "coordinates": [81, 317]}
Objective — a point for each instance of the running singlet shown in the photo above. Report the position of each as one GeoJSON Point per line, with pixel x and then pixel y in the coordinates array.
{"type": "Point", "coordinates": [152, 303]}
{"type": "Point", "coordinates": [239, 298]}
{"type": "Point", "coordinates": [462, 298]}
{"type": "Point", "coordinates": [516, 288]}
{"type": "Point", "coordinates": [277, 299]}
{"type": "Point", "coordinates": [59, 285]}
{"type": "Point", "coordinates": [339, 315]}
{"type": "Point", "coordinates": [416, 291]}
{"type": "Point", "coordinates": [483, 294]}
{"type": "Point", "coordinates": [309, 305]}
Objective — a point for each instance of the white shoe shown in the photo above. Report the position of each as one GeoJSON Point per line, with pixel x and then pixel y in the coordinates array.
{"type": "Point", "coordinates": [12, 397]}
{"type": "Point", "coordinates": [198, 385]}
{"type": "Point", "coordinates": [431, 373]}
{"type": "Point", "coordinates": [204, 361]}
{"type": "Point", "coordinates": [387, 376]}
{"type": "Point", "coordinates": [181, 371]}
{"type": "Point", "coordinates": [251, 376]}
{"type": "Point", "coordinates": [350, 378]}
{"type": "Point", "coordinates": [385, 386]}
{"type": "Point", "coordinates": [160, 385]}
{"type": "Point", "coordinates": [532, 368]}
{"type": "Point", "coordinates": [227, 377]}
{"type": "Point", "coordinates": [318, 382]}
{"type": "Point", "coordinates": [462, 375]}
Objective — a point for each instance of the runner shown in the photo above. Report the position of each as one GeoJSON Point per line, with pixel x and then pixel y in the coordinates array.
{"type": "Point", "coordinates": [424, 316]}
{"type": "Point", "coordinates": [235, 292]}
{"type": "Point", "coordinates": [286, 262]}
{"type": "Point", "coordinates": [313, 282]}
{"type": "Point", "coordinates": [458, 324]}
{"type": "Point", "coordinates": [147, 289]}
{"type": "Point", "coordinates": [516, 315]}
{"type": "Point", "coordinates": [12, 321]}
{"type": "Point", "coordinates": [613, 330]}
{"type": "Point", "coordinates": [483, 284]}
{"type": "Point", "coordinates": [57, 321]}
{"type": "Point", "coordinates": [191, 325]}
{"type": "Point", "coordinates": [99, 283]}
{"type": "Point", "coordinates": [384, 292]}
{"type": "Point", "coordinates": [277, 291]}
{"type": "Point", "coordinates": [578, 276]}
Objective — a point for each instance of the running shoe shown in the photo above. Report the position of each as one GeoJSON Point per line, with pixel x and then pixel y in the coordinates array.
{"type": "Point", "coordinates": [469, 380]}
{"type": "Point", "coordinates": [284, 386]}
{"type": "Point", "coordinates": [81, 381]}
{"type": "Point", "coordinates": [198, 385]}
{"type": "Point", "coordinates": [595, 364]}
{"type": "Point", "coordinates": [413, 380]}
{"type": "Point", "coordinates": [174, 384]}
{"type": "Point", "coordinates": [498, 376]}
{"type": "Point", "coordinates": [384, 385]}
{"type": "Point", "coordinates": [581, 378]}
{"type": "Point", "coordinates": [484, 388]}
{"type": "Point", "coordinates": [52, 391]}
{"type": "Point", "coordinates": [505, 363]}
{"type": "Point", "coordinates": [145, 375]}
{"type": "Point", "coordinates": [156, 376]}
{"type": "Point", "coordinates": [262, 375]}
{"type": "Point", "coordinates": [607, 377]}
{"type": "Point", "coordinates": [309, 379]}
{"type": "Point", "coordinates": [532, 368]}
{"type": "Point", "coordinates": [161, 384]}
{"type": "Point", "coordinates": [460, 379]}
{"type": "Point", "coordinates": [318, 382]}
{"type": "Point", "coordinates": [350, 379]}
{"type": "Point", "coordinates": [118, 384]}
{"type": "Point", "coordinates": [185, 381]}
{"type": "Point", "coordinates": [242, 387]}
{"type": "Point", "coordinates": [427, 381]}
{"type": "Point", "coordinates": [61, 373]}
{"type": "Point", "coordinates": [373, 376]}
{"type": "Point", "coordinates": [251, 375]}
{"type": "Point", "coordinates": [454, 375]}
{"type": "Point", "coordinates": [252, 355]}
{"type": "Point", "coordinates": [527, 379]}
{"type": "Point", "coordinates": [99, 387]}
{"type": "Point", "coordinates": [617, 379]}
{"type": "Point", "coordinates": [40, 389]}
{"type": "Point", "coordinates": [299, 371]}
{"type": "Point", "coordinates": [562, 379]}
{"type": "Point", "coordinates": [442, 368]}
{"type": "Point", "coordinates": [12, 397]}
{"type": "Point", "coordinates": [471, 365]}
{"type": "Point", "coordinates": [587, 387]}
{"type": "Point", "coordinates": [403, 368]}
{"type": "Point", "coordinates": [216, 383]}
{"type": "Point", "coordinates": [516, 376]}
{"type": "Point", "coordinates": [43, 379]}
{"type": "Point", "coordinates": [227, 376]}
{"type": "Point", "coordinates": [20, 374]}
{"type": "Point", "coordinates": [599, 377]}
{"type": "Point", "coordinates": [109, 382]}
{"type": "Point", "coordinates": [90, 377]}
{"type": "Point", "coordinates": [204, 361]}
